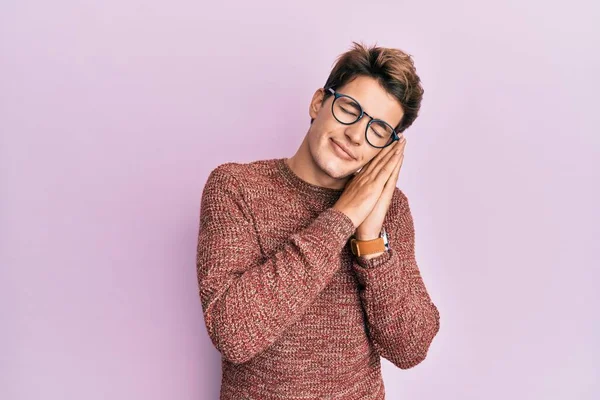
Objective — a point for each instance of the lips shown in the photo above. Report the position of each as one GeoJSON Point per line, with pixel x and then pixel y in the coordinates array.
{"type": "Point", "coordinates": [343, 150]}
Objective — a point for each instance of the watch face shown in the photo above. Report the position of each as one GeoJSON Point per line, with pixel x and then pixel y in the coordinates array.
{"type": "Point", "coordinates": [385, 238]}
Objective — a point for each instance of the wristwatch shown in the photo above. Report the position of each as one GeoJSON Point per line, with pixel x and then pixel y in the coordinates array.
{"type": "Point", "coordinates": [362, 247]}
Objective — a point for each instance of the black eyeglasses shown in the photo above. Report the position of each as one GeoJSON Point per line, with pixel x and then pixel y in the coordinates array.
{"type": "Point", "coordinates": [346, 110]}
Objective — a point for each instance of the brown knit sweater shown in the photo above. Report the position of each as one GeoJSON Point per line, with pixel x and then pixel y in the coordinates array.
{"type": "Point", "coordinates": [294, 314]}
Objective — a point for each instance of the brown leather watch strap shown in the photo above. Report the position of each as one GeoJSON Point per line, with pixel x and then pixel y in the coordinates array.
{"type": "Point", "coordinates": [362, 247]}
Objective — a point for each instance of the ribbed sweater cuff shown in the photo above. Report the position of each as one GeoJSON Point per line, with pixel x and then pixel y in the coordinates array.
{"type": "Point", "coordinates": [338, 225]}
{"type": "Point", "coordinates": [374, 262]}
{"type": "Point", "coordinates": [372, 271]}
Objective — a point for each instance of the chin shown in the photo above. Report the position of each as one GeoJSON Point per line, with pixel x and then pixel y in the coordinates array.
{"type": "Point", "coordinates": [329, 162]}
{"type": "Point", "coordinates": [335, 167]}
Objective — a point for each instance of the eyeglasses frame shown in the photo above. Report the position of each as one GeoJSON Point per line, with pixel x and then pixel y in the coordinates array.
{"type": "Point", "coordinates": [362, 113]}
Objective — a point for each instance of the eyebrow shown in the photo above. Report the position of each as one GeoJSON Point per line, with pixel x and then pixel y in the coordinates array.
{"type": "Point", "coordinates": [362, 108]}
{"type": "Point", "coordinates": [380, 119]}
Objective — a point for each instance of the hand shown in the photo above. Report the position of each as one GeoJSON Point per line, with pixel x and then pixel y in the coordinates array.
{"type": "Point", "coordinates": [362, 192]}
{"type": "Point", "coordinates": [370, 228]}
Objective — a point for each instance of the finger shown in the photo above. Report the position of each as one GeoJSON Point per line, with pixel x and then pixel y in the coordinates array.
{"type": "Point", "coordinates": [393, 179]}
{"type": "Point", "coordinates": [391, 170]}
{"type": "Point", "coordinates": [373, 166]}
{"type": "Point", "coordinates": [390, 185]}
{"type": "Point", "coordinates": [387, 151]}
{"type": "Point", "coordinates": [399, 168]}
{"type": "Point", "coordinates": [365, 169]}
{"type": "Point", "coordinates": [400, 162]}
{"type": "Point", "coordinates": [386, 169]}
{"type": "Point", "coordinates": [385, 159]}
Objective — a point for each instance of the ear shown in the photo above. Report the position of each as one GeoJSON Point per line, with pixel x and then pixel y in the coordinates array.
{"type": "Point", "coordinates": [316, 103]}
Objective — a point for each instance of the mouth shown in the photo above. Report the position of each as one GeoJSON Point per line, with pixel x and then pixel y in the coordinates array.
{"type": "Point", "coordinates": [339, 150]}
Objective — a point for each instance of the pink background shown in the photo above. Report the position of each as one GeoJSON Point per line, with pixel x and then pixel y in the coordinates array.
{"type": "Point", "coordinates": [112, 114]}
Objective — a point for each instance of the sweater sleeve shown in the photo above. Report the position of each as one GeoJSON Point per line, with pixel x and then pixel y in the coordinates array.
{"type": "Point", "coordinates": [249, 300]}
{"type": "Point", "coordinates": [401, 318]}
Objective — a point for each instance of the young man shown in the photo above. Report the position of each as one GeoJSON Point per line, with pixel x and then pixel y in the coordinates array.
{"type": "Point", "coordinates": [306, 265]}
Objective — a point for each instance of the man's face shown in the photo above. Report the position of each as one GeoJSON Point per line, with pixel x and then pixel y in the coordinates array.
{"type": "Point", "coordinates": [325, 130]}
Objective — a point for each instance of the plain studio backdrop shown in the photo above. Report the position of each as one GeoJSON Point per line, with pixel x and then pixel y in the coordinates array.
{"type": "Point", "coordinates": [112, 114]}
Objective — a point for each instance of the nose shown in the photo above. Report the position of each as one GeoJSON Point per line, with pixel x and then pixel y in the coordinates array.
{"type": "Point", "coordinates": [356, 131]}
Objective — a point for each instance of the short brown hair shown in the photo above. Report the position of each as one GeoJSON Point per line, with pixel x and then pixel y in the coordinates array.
{"type": "Point", "coordinates": [393, 68]}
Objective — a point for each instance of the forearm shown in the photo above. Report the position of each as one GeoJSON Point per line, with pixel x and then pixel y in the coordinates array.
{"type": "Point", "coordinates": [401, 318]}
{"type": "Point", "coordinates": [247, 311]}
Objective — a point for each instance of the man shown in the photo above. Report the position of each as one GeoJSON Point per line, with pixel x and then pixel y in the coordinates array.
{"type": "Point", "coordinates": [306, 265]}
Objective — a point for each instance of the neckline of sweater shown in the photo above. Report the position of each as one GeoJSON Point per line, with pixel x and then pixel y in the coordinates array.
{"type": "Point", "coordinates": [305, 187]}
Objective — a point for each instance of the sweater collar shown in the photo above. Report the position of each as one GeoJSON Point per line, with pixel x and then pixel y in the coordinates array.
{"type": "Point", "coordinates": [304, 187]}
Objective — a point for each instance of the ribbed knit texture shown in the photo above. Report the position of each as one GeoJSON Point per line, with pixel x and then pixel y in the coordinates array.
{"type": "Point", "coordinates": [294, 314]}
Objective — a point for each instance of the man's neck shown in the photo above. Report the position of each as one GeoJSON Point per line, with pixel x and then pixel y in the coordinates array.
{"type": "Point", "coordinates": [307, 170]}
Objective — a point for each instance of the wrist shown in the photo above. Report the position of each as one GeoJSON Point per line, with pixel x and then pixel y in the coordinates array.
{"type": "Point", "coordinates": [348, 214]}
{"type": "Point", "coordinates": [366, 236]}
{"type": "Point", "coordinates": [365, 244]}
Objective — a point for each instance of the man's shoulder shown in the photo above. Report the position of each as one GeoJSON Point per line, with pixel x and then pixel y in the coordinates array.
{"type": "Point", "coordinates": [399, 204]}
{"type": "Point", "coordinates": [399, 197]}
{"type": "Point", "coordinates": [246, 174]}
